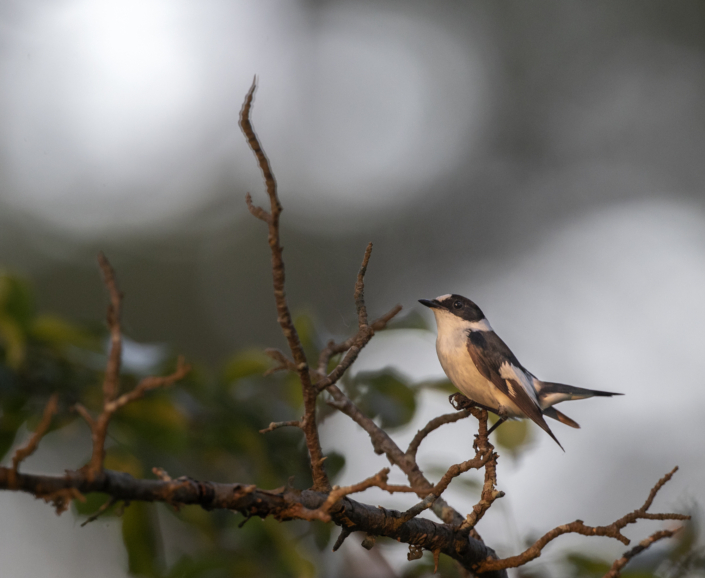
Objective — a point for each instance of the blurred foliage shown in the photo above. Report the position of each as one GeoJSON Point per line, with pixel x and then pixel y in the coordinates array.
{"type": "Point", "coordinates": [206, 427]}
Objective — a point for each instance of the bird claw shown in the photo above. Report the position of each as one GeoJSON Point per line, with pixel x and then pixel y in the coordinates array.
{"type": "Point", "coordinates": [459, 401]}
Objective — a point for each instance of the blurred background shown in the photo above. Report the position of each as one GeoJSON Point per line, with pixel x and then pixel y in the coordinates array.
{"type": "Point", "coordinates": [543, 159]}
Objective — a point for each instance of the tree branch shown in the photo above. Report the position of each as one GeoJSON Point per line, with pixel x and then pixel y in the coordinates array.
{"type": "Point", "coordinates": [355, 344]}
{"type": "Point", "coordinates": [283, 504]}
{"type": "Point", "coordinates": [431, 426]}
{"type": "Point", "coordinates": [27, 450]}
{"type": "Point", "coordinates": [111, 383]}
{"type": "Point", "coordinates": [308, 423]}
{"type": "Point", "coordinates": [620, 563]}
{"type": "Point", "coordinates": [578, 527]}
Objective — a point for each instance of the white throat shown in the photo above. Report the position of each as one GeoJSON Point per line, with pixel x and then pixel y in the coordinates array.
{"type": "Point", "coordinates": [449, 324]}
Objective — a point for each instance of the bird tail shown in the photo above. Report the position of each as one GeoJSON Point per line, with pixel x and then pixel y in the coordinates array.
{"type": "Point", "coordinates": [550, 393]}
{"type": "Point", "coordinates": [544, 426]}
{"type": "Point", "coordinates": [553, 413]}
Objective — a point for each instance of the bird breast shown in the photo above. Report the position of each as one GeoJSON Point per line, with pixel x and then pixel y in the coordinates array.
{"type": "Point", "coordinates": [451, 346]}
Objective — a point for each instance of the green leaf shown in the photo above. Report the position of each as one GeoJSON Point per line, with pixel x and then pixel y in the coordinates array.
{"type": "Point", "coordinates": [155, 420]}
{"type": "Point", "coordinates": [142, 539]}
{"type": "Point", "coordinates": [321, 534]}
{"type": "Point", "coordinates": [441, 385]}
{"type": "Point", "coordinates": [387, 396]}
{"type": "Point", "coordinates": [15, 341]}
{"type": "Point", "coordinates": [16, 300]}
{"type": "Point", "coordinates": [12, 418]}
{"type": "Point", "coordinates": [306, 328]}
{"type": "Point", "coordinates": [92, 504]}
{"type": "Point", "coordinates": [245, 364]}
{"type": "Point", "coordinates": [59, 333]}
{"type": "Point", "coordinates": [335, 462]}
{"type": "Point", "coordinates": [512, 434]}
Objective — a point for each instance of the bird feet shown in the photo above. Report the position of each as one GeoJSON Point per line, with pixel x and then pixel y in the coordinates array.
{"type": "Point", "coordinates": [459, 401]}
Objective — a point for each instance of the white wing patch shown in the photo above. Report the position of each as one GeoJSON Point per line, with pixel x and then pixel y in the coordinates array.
{"type": "Point", "coordinates": [509, 371]}
{"type": "Point", "coordinates": [510, 387]}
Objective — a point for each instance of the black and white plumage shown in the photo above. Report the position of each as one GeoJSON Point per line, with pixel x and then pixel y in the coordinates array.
{"type": "Point", "coordinates": [486, 371]}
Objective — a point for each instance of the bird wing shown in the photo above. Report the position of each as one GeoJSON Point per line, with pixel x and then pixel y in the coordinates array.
{"type": "Point", "coordinates": [496, 363]}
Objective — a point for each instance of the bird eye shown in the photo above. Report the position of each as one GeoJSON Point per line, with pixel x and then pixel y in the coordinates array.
{"type": "Point", "coordinates": [458, 304]}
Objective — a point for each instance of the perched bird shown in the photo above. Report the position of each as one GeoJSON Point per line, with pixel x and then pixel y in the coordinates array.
{"type": "Point", "coordinates": [483, 368]}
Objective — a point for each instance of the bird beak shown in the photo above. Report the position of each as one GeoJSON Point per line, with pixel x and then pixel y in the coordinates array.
{"type": "Point", "coordinates": [432, 304]}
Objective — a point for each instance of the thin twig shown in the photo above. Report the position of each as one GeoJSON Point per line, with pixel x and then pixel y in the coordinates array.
{"type": "Point", "coordinates": [31, 446]}
{"type": "Point", "coordinates": [161, 473]}
{"type": "Point", "coordinates": [620, 563]}
{"type": "Point", "coordinates": [344, 533]}
{"type": "Point", "coordinates": [489, 492]}
{"type": "Point", "coordinates": [308, 423]}
{"type": "Point", "coordinates": [111, 383]}
{"type": "Point", "coordinates": [355, 344]}
{"type": "Point", "coordinates": [337, 493]}
{"type": "Point", "coordinates": [578, 527]}
{"type": "Point", "coordinates": [102, 509]}
{"type": "Point", "coordinates": [284, 362]}
{"type": "Point", "coordinates": [333, 348]}
{"type": "Point", "coordinates": [148, 384]}
{"type": "Point", "coordinates": [433, 425]}
{"type": "Point", "coordinates": [277, 424]}
{"type": "Point", "coordinates": [415, 510]}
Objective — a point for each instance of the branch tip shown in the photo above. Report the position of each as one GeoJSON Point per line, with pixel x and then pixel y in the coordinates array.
{"type": "Point", "coordinates": [30, 447]}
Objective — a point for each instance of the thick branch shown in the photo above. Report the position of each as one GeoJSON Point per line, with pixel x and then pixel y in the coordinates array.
{"type": "Point", "coordinates": [285, 504]}
{"type": "Point", "coordinates": [308, 424]}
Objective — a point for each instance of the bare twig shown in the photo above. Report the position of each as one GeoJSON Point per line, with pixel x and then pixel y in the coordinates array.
{"type": "Point", "coordinates": [433, 425]}
{"type": "Point", "coordinates": [578, 527]}
{"type": "Point", "coordinates": [102, 509]}
{"type": "Point", "coordinates": [415, 510]}
{"type": "Point", "coordinates": [379, 479]}
{"type": "Point", "coordinates": [355, 344]}
{"type": "Point", "coordinates": [360, 288]}
{"type": "Point", "coordinates": [620, 563]}
{"type": "Point", "coordinates": [277, 424]}
{"type": "Point", "coordinates": [489, 492]}
{"type": "Point", "coordinates": [344, 533]}
{"type": "Point", "coordinates": [111, 383]}
{"type": "Point", "coordinates": [148, 384]}
{"type": "Point", "coordinates": [334, 348]}
{"type": "Point", "coordinates": [27, 450]}
{"type": "Point", "coordinates": [284, 362]}
{"type": "Point", "coordinates": [161, 473]}
{"type": "Point", "coordinates": [308, 423]}
{"type": "Point", "coordinates": [99, 425]}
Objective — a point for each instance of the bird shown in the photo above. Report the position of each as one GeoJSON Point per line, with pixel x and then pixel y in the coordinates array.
{"type": "Point", "coordinates": [485, 370]}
